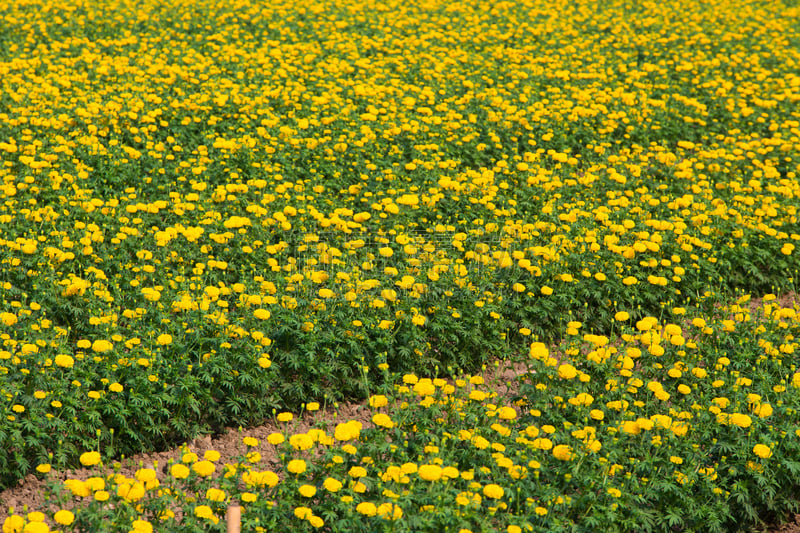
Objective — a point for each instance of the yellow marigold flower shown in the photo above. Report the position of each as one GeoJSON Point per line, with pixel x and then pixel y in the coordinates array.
{"type": "Point", "coordinates": [296, 466]}
{"type": "Point", "coordinates": [164, 339]}
{"type": "Point", "coordinates": [480, 442]}
{"type": "Point", "coordinates": [450, 472]}
{"type": "Point", "coordinates": [276, 438]}
{"type": "Point", "coordinates": [424, 387]}
{"type": "Point", "coordinates": [151, 294]}
{"type": "Point", "coordinates": [378, 401]}
{"type": "Point", "coordinates": [409, 468]}
{"type": "Point", "coordinates": [430, 472]}
{"type": "Point", "coordinates": [64, 361]}
{"type": "Point", "coordinates": [9, 319]}
{"type": "Point", "coordinates": [477, 395]}
{"type": "Point", "coordinates": [265, 478]}
{"type": "Point", "coordinates": [101, 346]}
{"type": "Point", "coordinates": [13, 524]}
{"type": "Point", "coordinates": [96, 483]}
{"type": "Point", "coordinates": [539, 351]}
{"type": "Point", "coordinates": [204, 468]}
{"type": "Point", "coordinates": [562, 452]}
{"type": "Point", "coordinates": [347, 430]}
{"type": "Point", "coordinates": [215, 495]}
{"type": "Point", "coordinates": [204, 511]}
{"type": "Point", "coordinates": [763, 410]}
{"type": "Point", "coordinates": [367, 508]}
{"type": "Point", "coordinates": [90, 458]}
{"type": "Point", "coordinates": [493, 491]}
{"type": "Point", "coordinates": [64, 517]}
{"type": "Point", "coordinates": [179, 471]}
{"type": "Point", "coordinates": [741, 420]}
{"type": "Point", "coordinates": [389, 511]}
{"type": "Point", "coordinates": [318, 435]}
{"type": "Point", "coordinates": [332, 485]}
{"type": "Point", "coordinates": [506, 413]}
{"type": "Point", "coordinates": [357, 472]}
{"type": "Point", "coordinates": [307, 490]}
{"type": "Point", "coordinates": [503, 430]}
{"type": "Point", "coordinates": [261, 314]}
{"type": "Point", "coordinates": [301, 441]}
{"type": "Point", "coordinates": [762, 451]}
{"type": "Point", "coordinates": [631, 427]}
{"type": "Point", "coordinates": [382, 420]}
{"type": "Point", "coordinates": [567, 371]}
{"type": "Point", "coordinates": [659, 421]}
{"type": "Point", "coordinates": [721, 402]}
{"type": "Point", "coordinates": [131, 493]}
{"type": "Point", "coordinates": [145, 475]}
{"type": "Point", "coordinates": [303, 513]}
{"type": "Point", "coordinates": [142, 526]}
{"type": "Point", "coordinates": [410, 379]}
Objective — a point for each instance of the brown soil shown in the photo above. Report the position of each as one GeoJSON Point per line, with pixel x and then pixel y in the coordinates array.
{"type": "Point", "coordinates": [30, 493]}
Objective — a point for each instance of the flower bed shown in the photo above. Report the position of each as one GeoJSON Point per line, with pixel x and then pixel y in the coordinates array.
{"type": "Point", "coordinates": [214, 211]}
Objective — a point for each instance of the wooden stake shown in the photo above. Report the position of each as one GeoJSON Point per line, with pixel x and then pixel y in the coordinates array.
{"type": "Point", "coordinates": [234, 519]}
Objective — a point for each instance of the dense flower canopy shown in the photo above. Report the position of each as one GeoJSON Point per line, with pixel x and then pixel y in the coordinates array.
{"type": "Point", "coordinates": [215, 212]}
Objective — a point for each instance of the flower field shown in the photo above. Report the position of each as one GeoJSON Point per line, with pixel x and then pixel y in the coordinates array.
{"type": "Point", "coordinates": [219, 213]}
